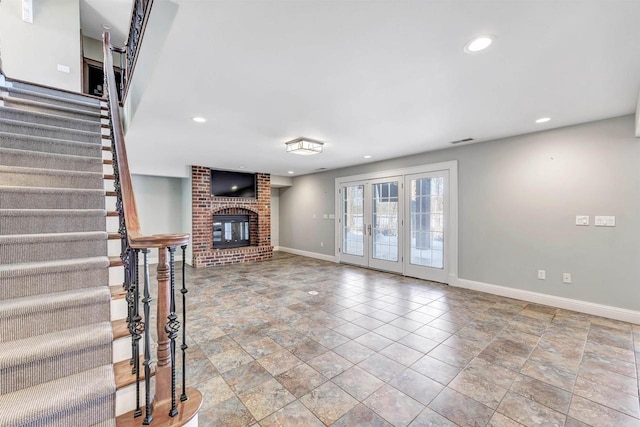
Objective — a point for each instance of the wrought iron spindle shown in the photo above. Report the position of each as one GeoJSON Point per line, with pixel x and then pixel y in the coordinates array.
{"type": "Point", "coordinates": [146, 300]}
{"type": "Point", "coordinates": [172, 328]}
{"type": "Point", "coordinates": [184, 345]}
{"type": "Point", "coordinates": [138, 329]}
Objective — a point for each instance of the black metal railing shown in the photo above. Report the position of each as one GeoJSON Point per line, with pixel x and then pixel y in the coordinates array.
{"type": "Point", "coordinates": [132, 244]}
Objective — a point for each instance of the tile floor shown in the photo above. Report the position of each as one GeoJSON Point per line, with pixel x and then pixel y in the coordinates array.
{"type": "Point", "coordinates": [376, 349]}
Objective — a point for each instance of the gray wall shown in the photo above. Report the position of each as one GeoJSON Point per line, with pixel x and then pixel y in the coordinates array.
{"type": "Point", "coordinates": [160, 204]}
{"type": "Point", "coordinates": [518, 198]}
{"type": "Point", "coordinates": [32, 52]}
{"type": "Point", "coordinates": [275, 216]}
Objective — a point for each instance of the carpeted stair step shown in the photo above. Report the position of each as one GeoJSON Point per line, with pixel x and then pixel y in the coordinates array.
{"type": "Point", "coordinates": [50, 198]}
{"type": "Point", "coordinates": [35, 278]}
{"type": "Point", "coordinates": [21, 248]}
{"type": "Point", "coordinates": [30, 361]}
{"type": "Point", "coordinates": [83, 399]}
{"type": "Point", "coordinates": [50, 145]}
{"type": "Point", "coordinates": [49, 119]}
{"type": "Point", "coordinates": [36, 315]}
{"type": "Point", "coordinates": [89, 104]}
{"type": "Point", "coordinates": [59, 93]}
{"type": "Point", "coordinates": [31, 221]}
{"type": "Point", "coordinates": [37, 129]}
{"type": "Point", "coordinates": [37, 159]}
{"type": "Point", "coordinates": [43, 107]}
{"type": "Point", "coordinates": [23, 177]}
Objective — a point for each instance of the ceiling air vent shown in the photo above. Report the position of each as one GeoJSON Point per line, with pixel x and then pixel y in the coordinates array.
{"type": "Point", "coordinates": [462, 140]}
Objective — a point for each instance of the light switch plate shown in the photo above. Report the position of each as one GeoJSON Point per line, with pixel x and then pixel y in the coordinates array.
{"type": "Point", "coordinates": [605, 221]}
{"type": "Point", "coordinates": [582, 219]}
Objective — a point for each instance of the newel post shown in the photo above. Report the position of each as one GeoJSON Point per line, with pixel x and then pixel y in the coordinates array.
{"type": "Point", "coordinates": [163, 368]}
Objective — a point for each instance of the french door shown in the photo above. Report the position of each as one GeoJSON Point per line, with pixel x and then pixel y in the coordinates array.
{"type": "Point", "coordinates": [398, 224]}
{"type": "Point", "coordinates": [371, 223]}
{"type": "Point", "coordinates": [427, 207]}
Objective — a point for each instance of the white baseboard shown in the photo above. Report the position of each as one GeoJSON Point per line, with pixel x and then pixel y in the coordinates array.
{"type": "Point", "coordinates": [315, 255]}
{"type": "Point", "coordinates": [607, 311]}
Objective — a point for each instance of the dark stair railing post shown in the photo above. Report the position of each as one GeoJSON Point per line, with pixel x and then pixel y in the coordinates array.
{"type": "Point", "coordinates": [172, 328]}
{"type": "Point", "coordinates": [146, 300]}
{"type": "Point", "coordinates": [138, 328]}
{"type": "Point", "coordinates": [184, 346]}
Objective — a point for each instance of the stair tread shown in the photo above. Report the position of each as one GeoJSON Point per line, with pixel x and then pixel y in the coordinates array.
{"type": "Point", "coordinates": [43, 115]}
{"type": "Point", "coordinates": [117, 292]}
{"type": "Point", "coordinates": [40, 171]}
{"type": "Point", "coordinates": [60, 156]}
{"type": "Point", "coordinates": [120, 328]}
{"type": "Point", "coordinates": [46, 399]}
{"type": "Point", "coordinates": [186, 411]}
{"type": "Point", "coordinates": [27, 268]}
{"type": "Point", "coordinates": [9, 98]}
{"type": "Point", "coordinates": [27, 350]}
{"type": "Point", "coordinates": [50, 140]}
{"type": "Point", "coordinates": [53, 97]}
{"type": "Point", "coordinates": [49, 127]}
{"type": "Point", "coordinates": [49, 302]}
{"type": "Point", "coordinates": [56, 190]}
{"type": "Point", "coordinates": [53, 237]}
{"type": "Point", "coordinates": [115, 261]}
{"type": "Point", "coordinates": [53, 212]}
{"type": "Point", "coordinates": [123, 375]}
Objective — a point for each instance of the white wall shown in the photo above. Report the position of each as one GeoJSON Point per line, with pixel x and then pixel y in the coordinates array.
{"type": "Point", "coordinates": [32, 52]}
{"type": "Point", "coordinates": [518, 198]}
{"type": "Point", "coordinates": [275, 217]}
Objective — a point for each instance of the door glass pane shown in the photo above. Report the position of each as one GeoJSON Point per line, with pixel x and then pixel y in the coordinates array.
{"type": "Point", "coordinates": [353, 220]}
{"type": "Point", "coordinates": [385, 220]}
{"type": "Point", "coordinates": [427, 222]}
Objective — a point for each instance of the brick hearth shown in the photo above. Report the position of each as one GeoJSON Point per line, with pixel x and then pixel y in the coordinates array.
{"type": "Point", "coordinates": [204, 206]}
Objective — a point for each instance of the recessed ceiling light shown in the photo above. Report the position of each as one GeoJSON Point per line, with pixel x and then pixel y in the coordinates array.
{"type": "Point", "coordinates": [479, 43]}
{"type": "Point", "coordinates": [367, 156]}
{"type": "Point", "coordinates": [290, 172]}
{"type": "Point", "coordinates": [240, 167]}
{"type": "Point", "coordinates": [199, 119]}
{"type": "Point", "coordinates": [543, 120]}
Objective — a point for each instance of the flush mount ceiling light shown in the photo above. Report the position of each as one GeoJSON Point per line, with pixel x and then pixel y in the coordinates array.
{"type": "Point", "coordinates": [367, 156]}
{"type": "Point", "coordinates": [304, 146]}
{"type": "Point", "coordinates": [290, 172]}
{"type": "Point", "coordinates": [199, 119]}
{"type": "Point", "coordinates": [543, 120]}
{"type": "Point", "coordinates": [479, 43]}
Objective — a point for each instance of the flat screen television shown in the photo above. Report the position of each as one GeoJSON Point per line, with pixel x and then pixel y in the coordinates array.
{"type": "Point", "coordinates": [233, 184]}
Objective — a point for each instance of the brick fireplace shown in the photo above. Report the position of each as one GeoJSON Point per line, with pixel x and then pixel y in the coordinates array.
{"type": "Point", "coordinates": [204, 207]}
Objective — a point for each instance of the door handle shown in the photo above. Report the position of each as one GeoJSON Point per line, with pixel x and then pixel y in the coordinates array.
{"type": "Point", "coordinates": [369, 229]}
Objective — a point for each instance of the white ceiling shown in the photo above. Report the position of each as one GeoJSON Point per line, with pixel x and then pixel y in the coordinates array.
{"type": "Point", "coordinates": [379, 78]}
{"type": "Point", "coordinates": [116, 14]}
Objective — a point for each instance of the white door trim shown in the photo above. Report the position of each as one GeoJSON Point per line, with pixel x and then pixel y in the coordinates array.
{"type": "Point", "coordinates": [451, 166]}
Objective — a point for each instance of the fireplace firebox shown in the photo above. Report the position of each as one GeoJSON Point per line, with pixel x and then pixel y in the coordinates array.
{"type": "Point", "coordinates": [230, 231]}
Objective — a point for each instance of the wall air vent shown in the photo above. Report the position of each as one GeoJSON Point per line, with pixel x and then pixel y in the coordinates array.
{"type": "Point", "coordinates": [462, 140]}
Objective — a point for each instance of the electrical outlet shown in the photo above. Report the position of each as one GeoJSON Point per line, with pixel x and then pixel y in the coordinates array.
{"type": "Point", "coordinates": [566, 277]}
{"type": "Point", "coordinates": [582, 219]}
{"type": "Point", "coordinates": [542, 274]}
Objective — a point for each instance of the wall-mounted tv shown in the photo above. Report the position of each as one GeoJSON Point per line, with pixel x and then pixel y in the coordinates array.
{"type": "Point", "coordinates": [233, 184]}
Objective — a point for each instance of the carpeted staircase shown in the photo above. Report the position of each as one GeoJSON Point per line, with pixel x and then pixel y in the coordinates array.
{"type": "Point", "coordinates": [55, 329]}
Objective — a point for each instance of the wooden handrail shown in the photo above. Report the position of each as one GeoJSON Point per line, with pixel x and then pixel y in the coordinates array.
{"type": "Point", "coordinates": [134, 234]}
{"type": "Point", "coordinates": [167, 322]}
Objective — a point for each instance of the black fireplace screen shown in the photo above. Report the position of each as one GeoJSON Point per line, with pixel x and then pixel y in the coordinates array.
{"type": "Point", "coordinates": [230, 231]}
